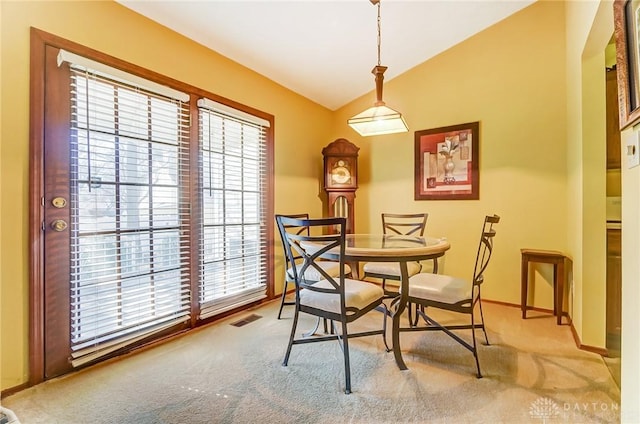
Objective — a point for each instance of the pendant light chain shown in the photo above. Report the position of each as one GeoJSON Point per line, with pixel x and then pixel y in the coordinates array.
{"type": "Point", "coordinates": [379, 38]}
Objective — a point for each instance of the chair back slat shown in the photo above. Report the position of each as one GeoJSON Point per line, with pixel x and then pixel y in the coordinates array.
{"type": "Point", "coordinates": [485, 248]}
{"type": "Point", "coordinates": [404, 224]}
{"type": "Point", "coordinates": [298, 230]}
{"type": "Point", "coordinates": [295, 241]}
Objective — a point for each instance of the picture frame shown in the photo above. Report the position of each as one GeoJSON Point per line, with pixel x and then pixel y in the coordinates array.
{"type": "Point", "coordinates": [626, 28]}
{"type": "Point", "coordinates": [447, 163]}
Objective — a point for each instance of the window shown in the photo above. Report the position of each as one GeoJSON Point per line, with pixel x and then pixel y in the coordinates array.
{"type": "Point", "coordinates": [233, 151]}
{"type": "Point", "coordinates": [168, 211]}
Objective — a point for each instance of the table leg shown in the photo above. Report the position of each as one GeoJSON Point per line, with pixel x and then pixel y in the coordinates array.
{"type": "Point", "coordinates": [355, 270]}
{"type": "Point", "coordinates": [315, 329]}
{"type": "Point", "coordinates": [524, 277]}
{"type": "Point", "coordinates": [555, 288]}
{"type": "Point", "coordinates": [560, 294]}
{"type": "Point", "coordinates": [402, 303]}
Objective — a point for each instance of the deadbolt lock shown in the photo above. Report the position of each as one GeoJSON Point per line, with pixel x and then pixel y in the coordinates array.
{"type": "Point", "coordinates": [59, 225]}
{"type": "Point", "coordinates": [59, 202]}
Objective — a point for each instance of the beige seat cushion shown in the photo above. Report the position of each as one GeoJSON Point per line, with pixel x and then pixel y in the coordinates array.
{"type": "Point", "coordinates": [358, 294]}
{"type": "Point", "coordinates": [391, 268]}
{"type": "Point", "coordinates": [441, 288]}
{"type": "Point", "coordinates": [312, 274]}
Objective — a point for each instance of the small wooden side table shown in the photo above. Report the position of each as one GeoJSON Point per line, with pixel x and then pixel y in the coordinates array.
{"type": "Point", "coordinates": [558, 260]}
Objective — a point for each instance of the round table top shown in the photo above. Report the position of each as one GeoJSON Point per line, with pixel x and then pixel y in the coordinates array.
{"type": "Point", "coordinates": [393, 245]}
{"type": "Point", "coordinates": [387, 246]}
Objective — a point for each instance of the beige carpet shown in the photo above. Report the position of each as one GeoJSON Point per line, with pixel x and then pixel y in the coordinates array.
{"type": "Point", "coordinates": [533, 373]}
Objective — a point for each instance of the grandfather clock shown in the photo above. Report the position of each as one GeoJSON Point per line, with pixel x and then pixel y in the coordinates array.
{"type": "Point", "coordinates": [341, 180]}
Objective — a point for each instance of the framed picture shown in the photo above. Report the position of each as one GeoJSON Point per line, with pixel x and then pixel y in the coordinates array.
{"type": "Point", "coordinates": [626, 27]}
{"type": "Point", "coordinates": [446, 163]}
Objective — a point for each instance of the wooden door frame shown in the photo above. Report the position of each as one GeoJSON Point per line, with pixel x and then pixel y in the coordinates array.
{"type": "Point", "coordinates": [36, 208]}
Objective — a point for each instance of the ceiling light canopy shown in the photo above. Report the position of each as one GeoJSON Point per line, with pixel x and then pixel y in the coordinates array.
{"type": "Point", "coordinates": [379, 119]}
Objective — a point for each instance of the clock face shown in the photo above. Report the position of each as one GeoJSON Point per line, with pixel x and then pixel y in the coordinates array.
{"type": "Point", "coordinates": [340, 173]}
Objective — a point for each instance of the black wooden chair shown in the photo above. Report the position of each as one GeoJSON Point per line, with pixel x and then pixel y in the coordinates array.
{"type": "Point", "coordinates": [332, 268]}
{"type": "Point", "coordinates": [338, 299]}
{"type": "Point", "coordinates": [455, 294]}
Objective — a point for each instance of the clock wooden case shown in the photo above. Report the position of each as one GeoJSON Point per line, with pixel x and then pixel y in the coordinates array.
{"type": "Point", "coordinates": [341, 179]}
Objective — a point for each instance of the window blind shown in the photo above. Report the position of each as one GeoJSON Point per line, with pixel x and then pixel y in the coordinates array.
{"type": "Point", "coordinates": [234, 227]}
{"type": "Point", "coordinates": [114, 74]}
{"type": "Point", "coordinates": [129, 213]}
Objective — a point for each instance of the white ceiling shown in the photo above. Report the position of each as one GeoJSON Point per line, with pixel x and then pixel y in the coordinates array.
{"type": "Point", "coordinates": [325, 49]}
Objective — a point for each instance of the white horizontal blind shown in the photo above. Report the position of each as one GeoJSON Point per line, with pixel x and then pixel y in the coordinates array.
{"type": "Point", "coordinates": [130, 214]}
{"type": "Point", "coordinates": [82, 63]}
{"type": "Point", "coordinates": [234, 175]}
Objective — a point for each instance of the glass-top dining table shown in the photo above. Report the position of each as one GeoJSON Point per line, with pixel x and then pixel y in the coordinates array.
{"type": "Point", "coordinates": [392, 248]}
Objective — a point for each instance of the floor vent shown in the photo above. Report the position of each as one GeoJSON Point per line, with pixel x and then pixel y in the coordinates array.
{"type": "Point", "coordinates": [246, 320]}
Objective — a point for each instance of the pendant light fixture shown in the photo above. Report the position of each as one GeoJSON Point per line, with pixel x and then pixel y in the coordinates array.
{"type": "Point", "coordinates": [379, 119]}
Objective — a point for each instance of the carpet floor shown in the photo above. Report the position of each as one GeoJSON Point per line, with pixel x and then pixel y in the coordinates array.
{"type": "Point", "coordinates": [533, 373]}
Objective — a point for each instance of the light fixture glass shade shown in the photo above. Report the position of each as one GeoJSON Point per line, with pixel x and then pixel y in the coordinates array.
{"type": "Point", "coordinates": [378, 120]}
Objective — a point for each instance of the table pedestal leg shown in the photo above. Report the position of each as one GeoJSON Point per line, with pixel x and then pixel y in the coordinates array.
{"type": "Point", "coordinates": [402, 304]}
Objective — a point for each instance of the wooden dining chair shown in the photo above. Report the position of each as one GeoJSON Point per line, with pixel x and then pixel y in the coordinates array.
{"type": "Point", "coordinates": [455, 294]}
{"type": "Point", "coordinates": [330, 267]}
{"type": "Point", "coordinates": [338, 299]}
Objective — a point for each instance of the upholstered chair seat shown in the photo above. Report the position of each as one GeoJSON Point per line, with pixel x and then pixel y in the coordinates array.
{"type": "Point", "coordinates": [390, 269]}
{"type": "Point", "coordinates": [357, 295]}
{"type": "Point", "coordinates": [440, 288]}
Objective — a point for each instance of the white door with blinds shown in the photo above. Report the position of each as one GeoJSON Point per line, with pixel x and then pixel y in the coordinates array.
{"type": "Point", "coordinates": [129, 220]}
{"type": "Point", "coordinates": [129, 234]}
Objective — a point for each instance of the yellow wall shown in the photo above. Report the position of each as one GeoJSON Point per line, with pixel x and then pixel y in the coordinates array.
{"type": "Point", "coordinates": [301, 129]}
{"type": "Point", "coordinates": [614, 176]}
{"type": "Point", "coordinates": [593, 252]}
{"type": "Point", "coordinates": [511, 78]}
{"type": "Point", "coordinates": [586, 45]}
{"type": "Point", "coordinates": [1, 201]}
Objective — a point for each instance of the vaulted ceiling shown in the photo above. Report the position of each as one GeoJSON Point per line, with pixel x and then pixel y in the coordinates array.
{"type": "Point", "coordinates": [325, 49]}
